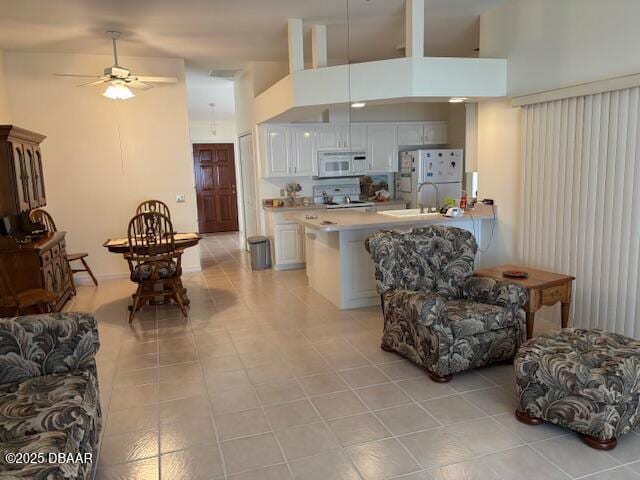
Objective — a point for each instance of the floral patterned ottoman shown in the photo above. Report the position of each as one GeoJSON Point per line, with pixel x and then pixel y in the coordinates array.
{"type": "Point", "coordinates": [584, 380]}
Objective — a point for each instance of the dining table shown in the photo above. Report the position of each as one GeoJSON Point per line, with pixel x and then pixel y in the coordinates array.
{"type": "Point", "coordinates": [122, 246]}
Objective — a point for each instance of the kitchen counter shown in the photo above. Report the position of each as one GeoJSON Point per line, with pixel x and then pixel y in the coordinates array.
{"type": "Point", "coordinates": [316, 206]}
{"type": "Point", "coordinates": [296, 208]}
{"type": "Point", "coordinates": [344, 220]}
{"type": "Point", "coordinates": [338, 266]}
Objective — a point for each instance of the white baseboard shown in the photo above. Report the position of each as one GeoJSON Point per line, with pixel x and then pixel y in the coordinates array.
{"type": "Point", "coordinates": [85, 279]}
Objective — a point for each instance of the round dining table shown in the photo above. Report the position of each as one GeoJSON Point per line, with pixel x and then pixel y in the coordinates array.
{"type": "Point", "coordinates": [181, 241]}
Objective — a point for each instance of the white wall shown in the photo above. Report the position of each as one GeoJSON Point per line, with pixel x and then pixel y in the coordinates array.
{"type": "Point", "coordinates": [102, 157]}
{"type": "Point", "coordinates": [551, 44]}
{"type": "Point", "coordinates": [201, 132]}
{"type": "Point", "coordinates": [499, 176]}
{"type": "Point", "coordinates": [5, 115]}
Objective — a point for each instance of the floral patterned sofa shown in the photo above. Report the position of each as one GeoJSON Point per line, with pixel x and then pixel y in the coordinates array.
{"type": "Point", "coordinates": [436, 313]}
{"type": "Point", "coordinates": [584, 380]}
{"type": "Point", "coordinates": [49, 401]}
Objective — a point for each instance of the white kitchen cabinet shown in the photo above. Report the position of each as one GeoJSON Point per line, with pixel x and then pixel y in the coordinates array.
{"type": "Point", "coordinates": [354, 137]}
{"type": "Point", "coordinates": [424, 133]}
{"type": "Point", "coordinates": [411, 134]}
{"type": "Point", "coordinates": [435, 133]}
{"type": "Point", "coordinates": [289, 245]}
{"type": "Point", "coordinates": [382, 148]}
{"type": "Point", "coordinates": [328, 138]}
{"type": "Point", "coordinates": [277, 151]}
{"type": "Point", "coordinates": [303, 152]}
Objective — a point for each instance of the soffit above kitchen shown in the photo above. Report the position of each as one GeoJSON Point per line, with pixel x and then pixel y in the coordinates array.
{"type": "Point", "coordinates": [413, 77]}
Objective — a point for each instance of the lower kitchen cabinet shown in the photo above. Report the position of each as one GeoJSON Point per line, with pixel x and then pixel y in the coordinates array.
{"type": "Point", "coordinates": [289, 246]}
{"type": "Point", "coordinates": [287, 241]}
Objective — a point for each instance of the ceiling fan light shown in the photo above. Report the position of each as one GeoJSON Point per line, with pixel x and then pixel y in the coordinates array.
{"type": "Point", "coordinates": [118, 92]}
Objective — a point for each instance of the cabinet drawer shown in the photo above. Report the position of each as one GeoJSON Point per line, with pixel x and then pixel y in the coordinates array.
{"type": "Point", "coordinates": [554, 294]}
{"type": "Point", "coordinates": [55, 251]}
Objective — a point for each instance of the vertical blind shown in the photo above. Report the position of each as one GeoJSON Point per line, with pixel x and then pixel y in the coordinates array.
{"type": "Point", "coordinates": [581, 198]}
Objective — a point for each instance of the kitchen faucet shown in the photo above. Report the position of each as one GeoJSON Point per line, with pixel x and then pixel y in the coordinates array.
{"type": "Point", "coordinates": [420, 185]}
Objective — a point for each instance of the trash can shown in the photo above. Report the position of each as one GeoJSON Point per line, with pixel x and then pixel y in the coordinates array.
{"type": "Point", "coordinates": [260, 253]}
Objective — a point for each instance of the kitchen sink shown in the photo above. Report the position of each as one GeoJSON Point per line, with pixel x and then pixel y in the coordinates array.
{"type": "Point", "coordinates": [408, 212]}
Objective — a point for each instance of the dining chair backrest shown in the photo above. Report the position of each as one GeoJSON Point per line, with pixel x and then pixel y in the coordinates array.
{"type": "Point", "coordinates": [44, 218]}
{"type": "Point", "coordinates": [153, 206]}
{"type": "Point", "coordinates": [150, 234]}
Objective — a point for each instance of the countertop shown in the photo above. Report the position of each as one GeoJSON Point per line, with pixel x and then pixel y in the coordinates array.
{"type": "Point", "coordinates": [349, 220]}
{"type": "Point", "coordinates": [299, 208]}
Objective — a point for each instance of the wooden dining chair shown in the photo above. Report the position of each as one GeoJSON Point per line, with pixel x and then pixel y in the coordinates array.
{"type": "Point", "coordinates": [17, 303]}
{"type": "Point", "coordinates": [45, 219]}
{"type": "Point", "coordinates": [154, 261]}
{"type": "Point", "coordinates": [153, 206]}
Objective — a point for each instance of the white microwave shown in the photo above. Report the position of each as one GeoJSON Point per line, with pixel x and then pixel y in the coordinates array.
{"type": "Point", "coordinates": [333, 163]}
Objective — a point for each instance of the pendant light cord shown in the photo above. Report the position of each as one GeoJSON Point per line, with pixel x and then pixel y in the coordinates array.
{"type": "Point", "coordinates": [119, 136]}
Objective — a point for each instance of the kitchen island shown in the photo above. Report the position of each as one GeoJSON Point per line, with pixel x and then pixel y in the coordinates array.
{"type": "Point", "coordinates": [338, 265]}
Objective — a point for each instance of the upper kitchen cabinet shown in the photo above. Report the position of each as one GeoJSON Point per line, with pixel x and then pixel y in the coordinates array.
{"type": "Point", "coordinates": [21, 174]}
{"type": "Point", "coordinates": [411, 134]}
{"type": "Point", "coordinates": [303, 151]}
{"type": "Point", "coordinates": [329, 137]}
{"type": "Point", "coordinates": [382, 148]}
{"type": "Point", "coordinates": [354, 136]}
{"type": "Point", "coordinates": [277, 151]}
{"type": "Point", "coordinates": [435, 133]}
{"type": "Point", "coordinates": [341, 137]}
{"type": "Point", "coordinates": [423, 133]}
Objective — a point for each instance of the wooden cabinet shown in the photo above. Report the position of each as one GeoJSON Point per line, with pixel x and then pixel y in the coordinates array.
{"type": "Point", "coordinates": [39, 264]}
{"type": "Point", "coordinates": [21, 174]}
{"type": "Point", "coordinates": [382, 148]}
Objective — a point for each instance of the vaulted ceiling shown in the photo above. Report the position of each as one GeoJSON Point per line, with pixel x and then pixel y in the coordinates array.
{"type": "Point", "coordinates": [228, 33]}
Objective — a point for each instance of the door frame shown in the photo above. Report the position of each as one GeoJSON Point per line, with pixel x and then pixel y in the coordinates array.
{"type": "Point", "coordinates": [244, 190]}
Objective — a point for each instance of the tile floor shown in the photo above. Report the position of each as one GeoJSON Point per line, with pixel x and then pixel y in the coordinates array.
{"type": "Point", "coordinates": [266, 380]}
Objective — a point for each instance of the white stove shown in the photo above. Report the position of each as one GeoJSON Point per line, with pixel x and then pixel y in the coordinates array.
{"type": "Point", "coordinates": [339, 196]}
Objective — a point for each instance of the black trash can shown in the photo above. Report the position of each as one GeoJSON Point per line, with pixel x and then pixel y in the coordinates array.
{"type": "Point", "coordinates": [260, 253]}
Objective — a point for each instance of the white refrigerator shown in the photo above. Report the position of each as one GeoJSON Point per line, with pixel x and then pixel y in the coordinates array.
{"type": "Point", "coordinates": [439, 171]}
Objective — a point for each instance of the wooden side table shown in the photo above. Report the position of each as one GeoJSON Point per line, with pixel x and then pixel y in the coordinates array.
{"type": "Point", "coordinates": [544, 288]}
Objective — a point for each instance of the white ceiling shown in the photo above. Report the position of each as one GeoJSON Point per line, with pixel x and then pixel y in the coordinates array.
{"type": "Point", "coordinates": [225, 34]}
{"type": "Point", "coordinates": [228, 33]}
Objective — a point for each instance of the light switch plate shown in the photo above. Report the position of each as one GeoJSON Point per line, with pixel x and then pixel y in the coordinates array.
{"type": "Point", "coordinates": [180, 198]}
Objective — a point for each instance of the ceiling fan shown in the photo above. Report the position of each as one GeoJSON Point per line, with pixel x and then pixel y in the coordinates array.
{"type": "Point", "coordinates": [119, 78]}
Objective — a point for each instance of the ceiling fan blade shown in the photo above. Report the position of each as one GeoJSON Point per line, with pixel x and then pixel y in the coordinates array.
{"type": "Point", "coordinates": [158, 79]}
{"type": "Point", "coordinates": [74, 75]}
{"type": "Point", "coordinates": [97, 82]}
{"type": "Point", "coordinates": [137, 84]}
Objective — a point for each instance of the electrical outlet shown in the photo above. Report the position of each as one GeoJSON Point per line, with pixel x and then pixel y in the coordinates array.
{"type": "Point", "coordinates": [282, 194]}
{"type": "Point", "coordinates": [180, 198]}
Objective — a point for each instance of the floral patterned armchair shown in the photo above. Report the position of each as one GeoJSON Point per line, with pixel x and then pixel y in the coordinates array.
{"type": "Point", "coordinates": [436, 313]}
{"type": "Point", "coordinates": [49, 399]}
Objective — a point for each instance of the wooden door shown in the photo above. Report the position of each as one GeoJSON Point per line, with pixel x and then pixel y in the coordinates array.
{"type": "Point", "coordinates": [215, 187]}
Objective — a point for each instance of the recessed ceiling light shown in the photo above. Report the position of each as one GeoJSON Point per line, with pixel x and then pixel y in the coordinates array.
{"type": "Point", "coordinates": [457, 99]}
{"type": "Point", "coordinates": [358, 104]}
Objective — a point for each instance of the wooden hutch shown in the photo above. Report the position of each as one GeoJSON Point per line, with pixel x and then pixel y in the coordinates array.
{"type": "Point", "coordinates": [37, 263]}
